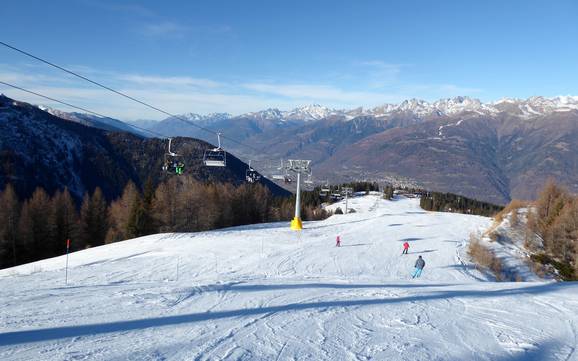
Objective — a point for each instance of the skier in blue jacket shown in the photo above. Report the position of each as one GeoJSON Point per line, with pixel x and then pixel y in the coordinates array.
{"type": "Point", "coordinates": [419, 265]}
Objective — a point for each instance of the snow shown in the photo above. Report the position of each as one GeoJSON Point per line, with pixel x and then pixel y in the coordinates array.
{"type": "Point", "coordinates": [308, 113]}
{"type": "Point", "coordinates": [441, 127]}
{"type": "Point", "coordinates": [264, 292]}
{"type": "Point", "coordinates": [510, 247]}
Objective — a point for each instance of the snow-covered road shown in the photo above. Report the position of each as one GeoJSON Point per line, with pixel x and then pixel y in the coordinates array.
{"type": "Point", "coordinates": [265, 292]}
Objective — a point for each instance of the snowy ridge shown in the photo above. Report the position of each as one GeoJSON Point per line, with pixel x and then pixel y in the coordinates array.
{"type": "Point", "coordinates": [528, 108]}
{"type": "Point", "coordinates": [265, 292]}
{"type": "Point", "coordinates": [211, 117]}
{"type": "Point", "coordinates": [531, 107]}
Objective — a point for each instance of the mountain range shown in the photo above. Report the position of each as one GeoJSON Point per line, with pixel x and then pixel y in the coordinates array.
{"type": "Point", "coordinates": [491, 151]}
{"type": "Point", "coordinates": [527, 108]}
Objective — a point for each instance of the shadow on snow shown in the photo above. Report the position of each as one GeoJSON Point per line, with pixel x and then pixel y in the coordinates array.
{"type": "Point", "coordinates": [38, 335]}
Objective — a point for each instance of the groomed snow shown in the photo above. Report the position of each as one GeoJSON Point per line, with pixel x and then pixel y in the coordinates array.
{"type": "Point", "coordinates": [265, 292]}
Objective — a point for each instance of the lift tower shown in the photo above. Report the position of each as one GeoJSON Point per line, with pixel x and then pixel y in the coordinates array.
{"type": "Point", "coordinates": [298, 166]}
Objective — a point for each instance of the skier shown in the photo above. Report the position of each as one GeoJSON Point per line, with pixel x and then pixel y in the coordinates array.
{"type": "Point", "coordinates": [179, 168]}
{"type": "Point", "coordinates": [338, 242]}
{"type": "Point", "coordinates": [419, 265]}
{"type": "Point", "coordinates": [405, 247]}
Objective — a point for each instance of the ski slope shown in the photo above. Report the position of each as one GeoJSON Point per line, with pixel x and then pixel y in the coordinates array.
{"type": "Point", "coordinates": [264, 292]}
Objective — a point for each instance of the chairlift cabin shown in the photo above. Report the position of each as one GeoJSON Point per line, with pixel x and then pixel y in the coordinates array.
{"type": "Point", "coordinates": [325, 189]}
{"type": "Point", "coordinates": [308, 183]}
{"type": "Point", "coordinates": [251, 175]}
{"type": "Point", "coordinates": [173, 162]}
{"type": "Point", "coordinates": [215, 157]}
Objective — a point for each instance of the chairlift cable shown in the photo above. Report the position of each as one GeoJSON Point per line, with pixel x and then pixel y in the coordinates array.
{"type": "Point", "coordinates": [79, 108]}
{"type": "Point", "coordinates": [68, 71]}
{"type": "Point", "coordinates": [123, 94]}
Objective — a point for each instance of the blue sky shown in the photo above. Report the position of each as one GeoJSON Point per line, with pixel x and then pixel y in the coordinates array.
{"type": "Point", "coordinates": [240, 56]}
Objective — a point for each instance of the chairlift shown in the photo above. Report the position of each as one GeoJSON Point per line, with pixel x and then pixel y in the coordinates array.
{"type": "Point", "coordinates": [173, 162]}
{"type": "Point", "coordinates": [278, 175]}
{"type": "Point", "coordinates": [251, 175]}
{"type": "Point", "coordinates": [308, 183]}
{"type": "Point", "coordinates": [215, 157]}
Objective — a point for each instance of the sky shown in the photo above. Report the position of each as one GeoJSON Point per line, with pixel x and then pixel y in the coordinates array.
{"type": "Point", "coordinates": [241, 56]}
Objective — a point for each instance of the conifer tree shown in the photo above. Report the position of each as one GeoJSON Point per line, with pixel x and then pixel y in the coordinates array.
{"type": "Point", "coordinates": [63, 221]}
{"type": "Point", "coordinates": [24, 239]}
{"type": "Point", "coordinates": [94, 219]}
{"type": "Point", "coordinates": [38, 207]}
{"type": "Point", "coordinates": [119, 213]}
{"type": "Point", "coordinates": [9, 214]}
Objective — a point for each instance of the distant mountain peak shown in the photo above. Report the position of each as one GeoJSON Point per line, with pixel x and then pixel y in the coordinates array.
{"type": "Point", "coordinates": [308, 112]}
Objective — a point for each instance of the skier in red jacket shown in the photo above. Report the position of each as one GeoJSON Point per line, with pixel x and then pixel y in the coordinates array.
{"type": "Point", "coordinates": [405, 247]}
{"type": "Point", "coordinates": [338, 242]}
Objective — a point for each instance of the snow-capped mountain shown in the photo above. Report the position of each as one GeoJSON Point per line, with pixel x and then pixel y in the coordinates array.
{"type": "Point", "coordinates": [531, 107]}
{"type": "Point", "coordinates": [309, 112]}
{"type": "Point", "coordinates": [193, 117]}
{"type": "Point", "coordinates": [534, 106]}
{"type": "Point", "coordinates": [267, 114]}
{"type": "Point", "coordinates": [305, 113]}
{"type": "Point", "coordinates": [537, 105]}
{"type": "Point", "coordinates": [418, 108]}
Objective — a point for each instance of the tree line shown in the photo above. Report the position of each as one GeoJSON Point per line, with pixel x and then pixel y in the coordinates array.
{"type": "Point", "coordinates": [554, 219]}
{"type": "Point", "coordinates": [448, 202]}
{"type": "Point", "coordinates": [316, 196]}
{"type": "Point", "coordinates": [38, 227]}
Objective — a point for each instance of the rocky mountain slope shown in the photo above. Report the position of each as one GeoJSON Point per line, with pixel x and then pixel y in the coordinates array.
{"type": "Point", "coordinates": [40, 149]}
{"type": "Point", "coordinates": [94, 121]}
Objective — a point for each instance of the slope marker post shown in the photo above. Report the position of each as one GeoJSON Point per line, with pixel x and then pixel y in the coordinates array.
{"type": "Point", "coordinates": [67, 251]}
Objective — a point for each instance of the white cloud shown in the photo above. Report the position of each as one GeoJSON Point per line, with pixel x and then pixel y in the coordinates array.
{"type": "Point", "coordinates": [181, 94]}
{"type": "Point", "coordinates": [171, 80]}
{"type": "Point", "coordinates": [326, 94]}
{"type": "Point", "coordinates": [166, 28]}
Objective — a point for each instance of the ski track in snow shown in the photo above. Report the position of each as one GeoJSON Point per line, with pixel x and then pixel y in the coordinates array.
{"type": "Point", "coordinates": [264, 292]}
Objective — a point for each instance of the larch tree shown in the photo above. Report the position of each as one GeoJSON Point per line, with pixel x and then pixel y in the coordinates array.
{"type": "Point", "coordinates": [9, 214]}
{"type": "Point", "coordinates": [119, 213]}
{"type": "Point", "coordinates": [63, 221]}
